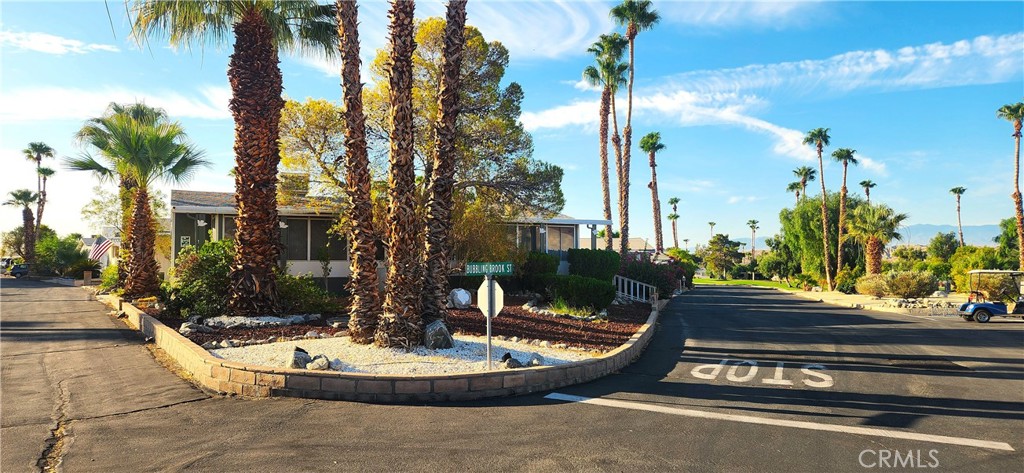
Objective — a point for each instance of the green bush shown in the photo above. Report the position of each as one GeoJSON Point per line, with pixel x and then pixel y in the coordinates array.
{"type": "Point", "coordinates": [583, 292]}
{"type": "Point", "coordinates": [910, 284]}
{"type": "Point", "coordinates": [540, 263]}
{"type": "Point", "coordinates": [108, 278]}
{"type": "Point", "coordinates": [872, 284]}
{"type": "Point", "coordinates": [597, 264]}
{"type": "Point", "coordinates": [846, 281]}
{"type": "Point", "coordinates": [664, 277]}
{"type": "Point", "coordinates": [304, 295]}
{"type": "Point", "coordinates": [62, 256]}
{"type": "Point", "coordinates": [200, 280]}
{"type": "Point", "coordinates": [805, 281]}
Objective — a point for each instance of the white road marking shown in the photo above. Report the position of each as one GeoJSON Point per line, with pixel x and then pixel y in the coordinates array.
{"type": "Point", "coordinates": [895, 434]}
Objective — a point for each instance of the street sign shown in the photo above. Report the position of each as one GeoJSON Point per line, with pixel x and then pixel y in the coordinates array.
{"type": "Point", "coordinates": [503, 268]}
{"type": "Point", "coordinates": [484, 298]}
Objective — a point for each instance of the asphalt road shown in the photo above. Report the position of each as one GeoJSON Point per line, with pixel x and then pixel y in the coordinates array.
{"type": "Point", "coordinates": [804, 387]}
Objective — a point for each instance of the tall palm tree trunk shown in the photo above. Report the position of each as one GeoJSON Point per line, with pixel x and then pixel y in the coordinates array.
{"type": "Point", "coordinates": [824, 221]}
{"type": "Point", "coordinates": [1016, 192]}
{"type": "Point", "coordinates": [41, 204]}
{"type": "Point", "coordinates": [656, 205]}
{"type": "Point", "coordinates": [256, 104]}
{"type": "Point", "coordinates": [842, 222]}
{"type": "Point", "coordinates": [675, 235]}
{"type": "Point", "coordinates": [400, 324]}
{"type": "Point", "coordinates": [28, 232]}
{"type": "Point", "coordinates": [605, 185]}
{"type": "Point", "coordinates": [364, 301]}
{"type": "Point", "coordinates": [126, 196]}
{"type": "Point", "coordinates": [627, 144]}
{"type": "Point", "coordinates": [873, 256]}
{"type": "Point", "coordinates": [439, 202]}
{"type": "Point", "coordinates": [143, 271]}
{"type": "Point", "coordinates": [959, 225]}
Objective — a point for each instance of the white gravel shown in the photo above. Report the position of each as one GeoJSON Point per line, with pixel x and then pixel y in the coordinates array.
{"type": "Point", "coordinates": [468, 355]}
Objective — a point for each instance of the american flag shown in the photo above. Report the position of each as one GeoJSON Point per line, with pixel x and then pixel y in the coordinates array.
{"type": "Point", "coordinates": [100, 248]}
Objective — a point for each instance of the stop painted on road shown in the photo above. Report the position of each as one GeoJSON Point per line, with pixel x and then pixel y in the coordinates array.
{"type": "Point", "coordinates": [811, 375]}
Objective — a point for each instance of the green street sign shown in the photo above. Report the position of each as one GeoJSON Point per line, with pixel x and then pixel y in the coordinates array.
{"type": "Point", "coordinates": [497, 269]}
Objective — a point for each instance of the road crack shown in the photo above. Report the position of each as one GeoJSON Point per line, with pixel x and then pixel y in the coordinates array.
{"type": "Point", "coordinates": [54, 446]}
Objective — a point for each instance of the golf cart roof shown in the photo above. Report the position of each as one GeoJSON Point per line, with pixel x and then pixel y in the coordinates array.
{"type": "Point", "coordinates": [996, 271]}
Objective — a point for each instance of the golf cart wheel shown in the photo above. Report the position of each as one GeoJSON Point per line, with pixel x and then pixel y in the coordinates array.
{"type": "Point", "coordinates": [982, 316]}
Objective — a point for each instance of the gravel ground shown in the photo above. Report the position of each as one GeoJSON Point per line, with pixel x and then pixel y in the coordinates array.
{"type": "Point", "coordinates": [468, 355]}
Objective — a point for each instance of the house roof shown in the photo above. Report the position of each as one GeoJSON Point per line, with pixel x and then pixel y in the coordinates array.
{"type": "Point", "coordinates": [186, 201]}
{"type": "Point", "coordinates": [635, 244]}
{"type": "Point", "coordinates": [558, 219]}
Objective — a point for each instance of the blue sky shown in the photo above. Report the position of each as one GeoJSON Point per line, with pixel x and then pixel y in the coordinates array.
{"type": "Point", "coordinates": [732, 87]}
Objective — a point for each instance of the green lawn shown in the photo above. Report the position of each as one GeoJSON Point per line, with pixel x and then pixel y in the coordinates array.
{"type": "Point", "coordinates": [744, 282]}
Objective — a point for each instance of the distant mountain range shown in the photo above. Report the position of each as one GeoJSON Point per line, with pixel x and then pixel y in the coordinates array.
{"type": "Point", "coordinates": [918, 234]}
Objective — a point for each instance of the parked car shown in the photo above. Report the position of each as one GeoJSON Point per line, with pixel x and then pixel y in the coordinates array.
{"type": "Point", "coordinates": [19, 270]}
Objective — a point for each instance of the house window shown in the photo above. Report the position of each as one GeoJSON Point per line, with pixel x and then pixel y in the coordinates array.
{"type": "Point", "coordinates": [296, 239]}
{"type": "Point", "coordinates": [560, 240]}
{"type": "Point", "coordinates": [320, 236]}
{"type": "Point", "coordinates": [528, 238]}
{"type": "Point", "coordinates": [229, 228]}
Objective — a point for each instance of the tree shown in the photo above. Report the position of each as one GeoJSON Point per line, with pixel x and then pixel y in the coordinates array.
{"type": "Point", "coordinates": [753, 238]}
{"type": "Point", "coordinates": [313, 143]}
{"type": "Point", "coordinates": [36, 152]}
{"type": "Point", "coordinates": [400, 324]}
{"type": "Point", "coordinates": [805, 174]}
{"type": "Point", "coordinates": [819, 137]}
{"type": "Point", "coordinates": [959, 191]}
{"type": "Point", "coordinates": [636, 16]}
{"type": "Point", "coordinates": [260, 30]}
{"type": "Point", "coordinates": [609, 74]}
{"type": "Point", "coordinates": [796, 188]}
{"type": "Point", "coordinates": [720, 255]}
{"type": "Point", "coordinates": [440, 203]}
{"type": "Point", "coordinates": [874, 226]}
{"type": "Point", "coordinates": [1014, 113]}
{"type": "Point", "coordinates": [801, 234]}
{"type": "Point", "coordinates": [867, 185]}
{"type": "Point", "coordinates": [712, 225]}
{"type": "Point", "coordinates": [63, 256]}
{"type": "Point", "coordinates": [104, 210]}
{"type": "Point", "coordinates": [1007, 241]}
{"type": "Point", "coordinates": [674, 202]}
{"type": "Point", "coordinates": [651, 144]}
{"type": "Point", "coordinates": [24, 198]}
{"type": "Point", "coordinates": [942, 246]}
{"type": "Point", "coordinates": [846, 158]}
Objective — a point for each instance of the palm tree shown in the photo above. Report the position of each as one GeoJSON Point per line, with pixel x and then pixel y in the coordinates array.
{"type": "Point", "coordinates": [874, 226]}
{"type": "Point", "coordinates": [712, 224]}
{"type": "Point", "coordinates": [400, 323]}
{"type": "Point", "coordinates": [24, 198]}
{"type": "Point", "coordinates": [1015, 114]}
{"type": "Point", "coordinates": [364, 299]}
{"type": "Point", "coordinates": [261, 29]}
{"type": "Point", "coordinates": [153, 152]}
{"type": "Point", "coordinates": [651, 144]}
{"type": "Point", "coordinates": [959, 191]}
{"type": "Point", "coordinates": [106, 135]}
{"type": "Point", "coordinates": [439, 201]}
{"type": "Point", "coordinates": [609, 74]}
{"type": "Point", "coordinates": [844, 156]}
{"type": "Point", "coordinates": [35, 152]}
{"type": "Point", "coordinates": [806, 174]}
{"type": "Point", "coordinates": [636, 16]}
{"type": "Point", "coordinates": [867, 185]}
{"type": "Point", "coordinates": [674, 202]}
{"type": "Point", "coordinates": [795, 187]}
{"type": "Point", "coordinates": [819, 138]}
{"type": "Point", "coordinates": [753, 237]}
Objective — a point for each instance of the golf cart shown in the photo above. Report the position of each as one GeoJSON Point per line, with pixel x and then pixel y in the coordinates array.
{"type": "Point", "coordinates": [990, 291]}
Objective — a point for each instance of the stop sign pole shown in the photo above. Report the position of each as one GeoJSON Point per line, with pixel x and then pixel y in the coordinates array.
{"type": "Point", "coordinates": [489, 297]}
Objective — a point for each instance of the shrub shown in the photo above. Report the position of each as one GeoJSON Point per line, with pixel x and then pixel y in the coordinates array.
{"type": "Point", "coordinates": [872, 284]}
{"type": "Point", "coordinates": [303, 295]}
{"type": "Point", "coordinates": [108, 278]}
{"type": "Point", "coordinates": [910, 284]}
{"type": "Point", "coordinates": [540, 263]}
{"type": "Point", "coordinates": [998, 288]}
{"type": "Point", "coordinates": [664, 277]}
{"type": "Point", "coordinates": [200, 279]}
{"type": "Point", "coordinates": [597, 264]}
{"type": "Point", "coordinates": [846, 281]}
{"type": "Point", "coordinates": [805, 281]}
{"type": "Point", "coordinates": [583, 292]}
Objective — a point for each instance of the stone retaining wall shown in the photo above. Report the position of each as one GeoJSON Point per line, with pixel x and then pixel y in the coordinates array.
{"type": "Point", "coordinates": [230, 377]}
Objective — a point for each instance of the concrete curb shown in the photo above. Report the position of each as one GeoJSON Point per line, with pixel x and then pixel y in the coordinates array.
{"type": "Point", "coordinates": [818, 297]}
{"type": "Point", "coordinates": [228, 377]}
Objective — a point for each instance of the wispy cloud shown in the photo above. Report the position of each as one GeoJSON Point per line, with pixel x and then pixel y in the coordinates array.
{"type": "Point", "coordinates": [59, 103]}
{"type": "Point", "coordinates": [50, 44]}
{"type": "Point", "coordinates": [730, 14]}
{"type": "Point", "coordinates": [873, 165]}
{"type": "Point", "coordinates": [737, 199]}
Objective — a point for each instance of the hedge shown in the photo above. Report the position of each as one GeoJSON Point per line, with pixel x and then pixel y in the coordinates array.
{"type": "Point", "coordinates": [580, 291]}
{"type": "Point", "coordinates": [597, 264]}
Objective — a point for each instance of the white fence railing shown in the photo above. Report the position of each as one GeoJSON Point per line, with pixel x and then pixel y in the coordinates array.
{"type": "Point", "coordinates": [626, 288]}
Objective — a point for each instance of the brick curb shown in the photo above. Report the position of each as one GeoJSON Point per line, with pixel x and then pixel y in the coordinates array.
{"type": "Point", "coordinates": [228, 377]}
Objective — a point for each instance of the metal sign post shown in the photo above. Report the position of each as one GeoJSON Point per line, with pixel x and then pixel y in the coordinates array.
{"type": "Point", "coordinates": [490, 298]}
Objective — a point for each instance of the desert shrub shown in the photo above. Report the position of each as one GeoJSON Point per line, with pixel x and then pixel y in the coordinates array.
{"type": "Point", "coordinates": [78, 268]}
{"type": "Point", "coordinates": [872, 284]}
{"type": "Point", "coordinates": [846, 281]}
{"type": "Point", "coordinates": [537, 269]}
{"type": "Point", "coordinates": [910, 284]}
{"type": "Point", "coordinates": [583, 292]}
{"type": "Point", "coordinates": [805, 281]}
{"type": "Point", "coordinates": [200, 280]}
{"type": "Point", "coordinates": [597, 264]}
{"type": "Point", "coordinates": [303, 295]}
{"type": "Point", "coordinates": [108, 278]}
{"type": "Point", "coordinates": [664, 277]}
{"type": "Point", "coordinates": [685, 262]}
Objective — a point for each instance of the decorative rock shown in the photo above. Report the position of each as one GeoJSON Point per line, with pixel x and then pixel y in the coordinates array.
{"type": "Point", "coordinates": [209, 345]}
{"type": "Point", "coordinates": [225, 344]}
{"type": "Point", "coordinates": [437, 337]}
{"type": "Point", "coordinates": [234, 343]}
{"type": "Point", "coordinates": [535, 360]}
{"type": "Point", "coordinates": [188, 328]}
{"type": "Point", "coordinates": [312, 334]}
{"type": "Point", "coordinates": [300, 358]}
{"type": "Point", "coordinates": [319, 363]}
{"type": "Point", "coordinates": [460, 298]}
{"type": "Point", "coordinates": [560, 345]}
{"type": "Point", "coordinates": [513, 340]}
{"type": "Point", "coordinates": [513, 363]}
{"type": "Point", "coordinates": [339, 334]}
{"type": "Point", "coordinates": [271, 339]}
{"type": "Point", "coordinates": [337, 322]}
{"type": "Point", "coordinates": [195, 319]}
{"type": "Point", "coordinates": [545, 344]}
